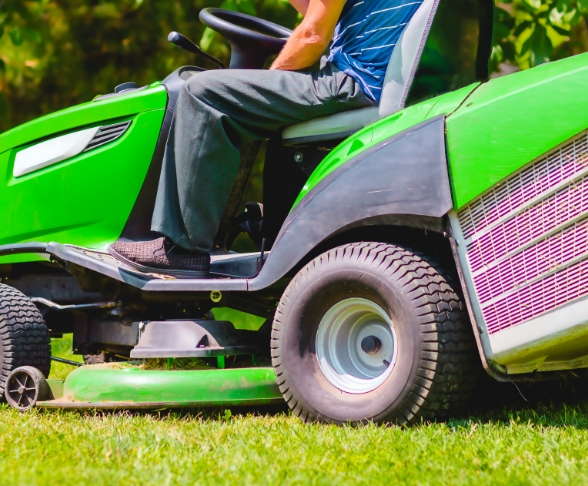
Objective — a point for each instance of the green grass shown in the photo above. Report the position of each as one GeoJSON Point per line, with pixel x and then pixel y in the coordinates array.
{"type": "Point", "coordinates": [544, 447]}
{"type": "Point", "coordinates": [62, 349]}
{"type": "Point", "coordinates": [505, 438]}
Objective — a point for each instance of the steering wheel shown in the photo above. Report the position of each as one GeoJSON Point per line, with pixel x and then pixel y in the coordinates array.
{"type": "Point", "coordinates": [252, 40]}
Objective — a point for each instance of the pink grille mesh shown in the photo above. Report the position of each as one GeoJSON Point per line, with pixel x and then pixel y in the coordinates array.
{"type": "Point", "coordinates": [542, 296]}
{"type": "Point", "coordinates": [568, 203]}
{"type": "Point", "coordinates": [513, 283]}
{"type": "Point", "coordinates": [539, 177]}
{"type": "Point", "coordinates": [523, 267]}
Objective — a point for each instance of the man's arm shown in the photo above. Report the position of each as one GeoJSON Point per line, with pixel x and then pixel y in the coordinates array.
{"type": "Point", "coordinates": [300, 5]}
{"type": "Point", "coordinates": [310, 39]}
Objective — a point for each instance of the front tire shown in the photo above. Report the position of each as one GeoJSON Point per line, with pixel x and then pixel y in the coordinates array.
{"type": "Point", "coordinates": [372, 332]}
{"type": "Point", "coordinates": [24, 337]}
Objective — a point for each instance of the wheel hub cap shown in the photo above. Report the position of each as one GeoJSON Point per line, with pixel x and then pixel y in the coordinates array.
{"type": "Point", "coordinates": [371, 345]}
{"type": "Point", "coordinates": [356, 345]}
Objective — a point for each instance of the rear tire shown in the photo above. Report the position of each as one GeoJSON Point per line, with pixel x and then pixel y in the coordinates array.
{"type": "Point", "coordinates": [24, 337]}
{"type": "Point", "coordinates": [373, 332]}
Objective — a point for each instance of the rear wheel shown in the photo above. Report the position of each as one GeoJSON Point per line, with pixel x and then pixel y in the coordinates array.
{"type": "Point", "coordinates": [25, 387]}
{"type": "Point", "coordinates": [24, 338]}
{"type": "Point", "coordinates": [373, 332]}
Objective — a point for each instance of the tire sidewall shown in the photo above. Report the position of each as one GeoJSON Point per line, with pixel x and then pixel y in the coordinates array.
{"type": "Point", "coordinates": [312, 298]}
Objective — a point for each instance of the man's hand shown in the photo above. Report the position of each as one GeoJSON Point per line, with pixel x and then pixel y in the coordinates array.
{"type": "Point", "coordinates": [310, 39]}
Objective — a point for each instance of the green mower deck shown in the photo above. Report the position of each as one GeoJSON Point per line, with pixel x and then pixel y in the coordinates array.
{"type": "Point", "coordinates": [105, 387]}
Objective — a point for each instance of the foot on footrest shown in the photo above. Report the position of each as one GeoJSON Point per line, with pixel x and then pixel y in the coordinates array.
{"type": "Point", "coordinates": [161, 255]}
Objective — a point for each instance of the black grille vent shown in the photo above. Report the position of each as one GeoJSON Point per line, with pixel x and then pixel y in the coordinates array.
{"type": "Point", "coordinates": [108, 134]}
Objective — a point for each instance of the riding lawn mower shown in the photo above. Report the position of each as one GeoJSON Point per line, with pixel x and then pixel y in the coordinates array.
{"type": "Point", "coordinates": [402, 248]}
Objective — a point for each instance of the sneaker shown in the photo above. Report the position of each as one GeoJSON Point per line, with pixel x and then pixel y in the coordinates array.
{"type": "Point", "coordinates": [161, 256]}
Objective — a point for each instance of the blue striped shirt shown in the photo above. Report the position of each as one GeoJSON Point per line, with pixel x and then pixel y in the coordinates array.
{"type": "Point", "coordinates": [365, 38]}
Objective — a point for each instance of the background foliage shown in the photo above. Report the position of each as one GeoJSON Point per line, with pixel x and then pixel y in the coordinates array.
{"type": "Point", "coordinates": [56, 53]}
{"type": "Point", "coordinates": [530, 32]}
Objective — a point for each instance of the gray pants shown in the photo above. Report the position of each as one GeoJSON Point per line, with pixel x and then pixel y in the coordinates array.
{"type": "Point", "coordinates": [220, 111]}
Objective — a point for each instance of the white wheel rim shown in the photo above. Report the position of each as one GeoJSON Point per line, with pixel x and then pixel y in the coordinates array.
{"type": "Point", "coordinates": [343, 360]}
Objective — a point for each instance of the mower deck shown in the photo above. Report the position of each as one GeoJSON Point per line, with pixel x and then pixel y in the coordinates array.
{"type": "Point", "coordinates": [107, 387]}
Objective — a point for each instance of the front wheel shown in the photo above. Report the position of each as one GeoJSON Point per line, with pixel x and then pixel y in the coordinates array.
{"type": "Point", "coordinates": [372, 332]}
{"type": "Point", "coordinates": [24, 337]}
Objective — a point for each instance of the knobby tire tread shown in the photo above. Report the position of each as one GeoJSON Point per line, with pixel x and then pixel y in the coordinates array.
{"type": "Point", "coordinates": [449, 365]}
{"type": "Point", "coordinates": [24, 337]}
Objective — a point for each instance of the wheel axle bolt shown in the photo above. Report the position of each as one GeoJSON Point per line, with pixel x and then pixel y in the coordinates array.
{"type": "Point", "coordinates": [371, 344]}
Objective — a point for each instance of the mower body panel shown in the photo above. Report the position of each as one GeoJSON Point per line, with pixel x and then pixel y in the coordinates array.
{"type": "Point", "coordinates": [382, 130]}
{"type": "Point", "coordinates": [85, 114]}
{"type": "Point", "coordinates": [518, 159]}
{"type": "Point", "coordinates": [84, 199]}
{"type": "Point", "coordinates": [510, 121]}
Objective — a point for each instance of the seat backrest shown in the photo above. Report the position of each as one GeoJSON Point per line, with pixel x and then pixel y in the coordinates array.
{"type": "Point", "coordinates": [405, 59]}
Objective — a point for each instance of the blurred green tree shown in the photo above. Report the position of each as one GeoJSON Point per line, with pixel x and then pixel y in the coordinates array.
{"type": "Point", "coordinates": [57, 53]}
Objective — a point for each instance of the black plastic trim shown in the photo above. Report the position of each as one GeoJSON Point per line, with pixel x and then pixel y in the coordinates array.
{"type": "Point", "coordinates": [401, 181]}
{"type": "Point", "coordinates": [120, 93]}
{"type": "Point", "coordinates": [485, 39]}
{"type": "Point", "coordinates": [107, 134]}
{"type": "Point", "coordinates": [23, 248]}
{"type": "Point", "coordinates": [326, 137]}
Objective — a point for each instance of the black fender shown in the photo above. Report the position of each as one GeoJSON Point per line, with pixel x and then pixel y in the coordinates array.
{"type": "Point", "coordinates": [402, 181]}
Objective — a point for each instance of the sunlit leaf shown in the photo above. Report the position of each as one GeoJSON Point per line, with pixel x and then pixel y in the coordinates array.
{"type": "Point", "coordinates": [560, 31]}
{"type": "Point", "coordinates": [497, 54]}
{"type": "Point", "coordinates": [207, 38]}
{"type": "Point", "coordinates": [540, 46]}
{"type": "Point", "coordinates": [533, 5]}
{"type": "Point", "coordinates": [522, 27]}
{"type": "Point", "coordinates": [556, 16]}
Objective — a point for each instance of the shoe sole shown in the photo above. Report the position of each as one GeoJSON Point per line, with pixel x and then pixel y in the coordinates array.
{"type": "Point", "coordinates": [161, 271]}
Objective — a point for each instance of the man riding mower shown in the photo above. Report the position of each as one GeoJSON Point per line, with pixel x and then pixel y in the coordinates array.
{"type": "Point", "coordinates": [418, 218]}
{"type": "Point", "coordinates": [218, 112]}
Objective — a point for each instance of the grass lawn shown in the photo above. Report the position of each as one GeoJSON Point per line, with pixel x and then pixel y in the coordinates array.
{"type": "Point", "coordinates": [503, 439]}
